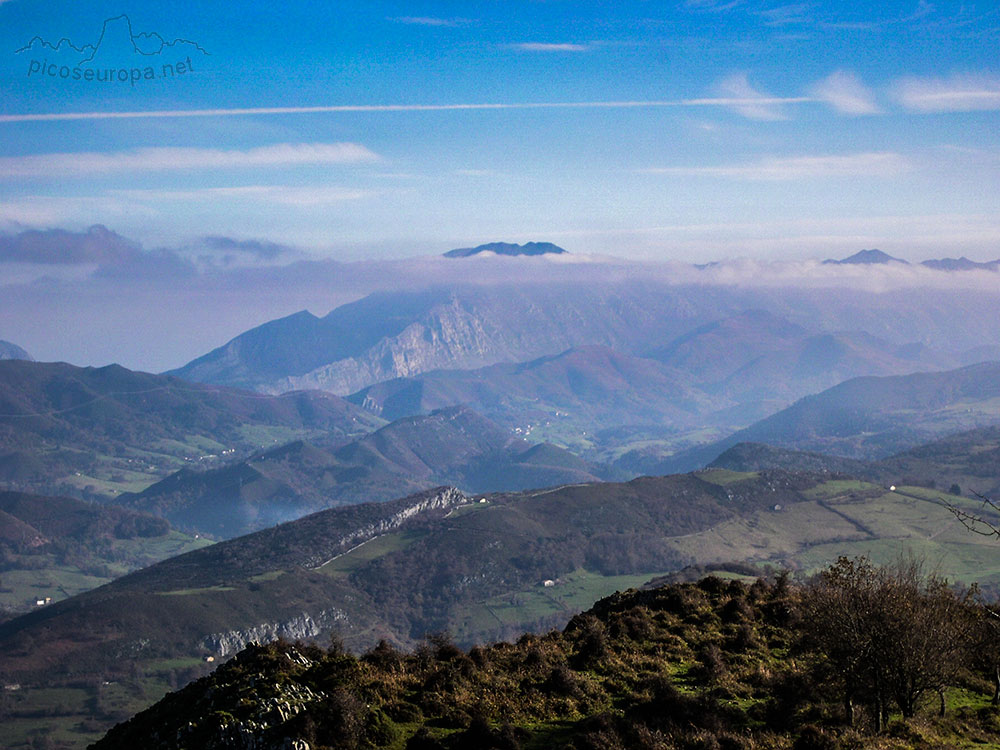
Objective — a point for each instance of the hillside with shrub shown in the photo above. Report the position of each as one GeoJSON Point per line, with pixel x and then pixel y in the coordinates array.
{"type": "Point", "coordinates": [861, 657]}
{"type": "Point", "coordinates": [485, 568]}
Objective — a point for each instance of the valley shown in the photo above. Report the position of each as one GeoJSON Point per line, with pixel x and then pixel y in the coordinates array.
{"type": "Point", "coordinates": [97, 432]}
{"type": "Point", "coordinates": [499, 376]}
{"type": "Point", "coordinates": [499, 466]}
{"type": "Point", "coordinates": [55, 547]}
{"type": "Point", "coordinates": [443, 560]}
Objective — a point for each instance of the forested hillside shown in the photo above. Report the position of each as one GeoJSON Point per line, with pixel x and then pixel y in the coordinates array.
{"type": "Point", "coordinates": [863, 657]}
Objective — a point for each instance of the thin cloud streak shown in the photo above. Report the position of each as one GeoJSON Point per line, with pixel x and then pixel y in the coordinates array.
{"type": "Point", "coordinates": [959, 93]}
{"type": "Point", "coordinates": [550, 47]}
{"type": "Point", "coordinates": [712, 6]}
{"type": "Point", "coordinates": [786, 14]}
{"type": "Point", "coordinates": [724, 101]}
{"type": "Point", "coordinates": [282, 194]}
{"type": "Point", "coordinates": [168, 157]}
{"type": "Point", "coordinates": [748, 101]}
{"type": "Point", "coordinates": [779, 169]}
{"type": "Point", "coordinates": [429, 21]}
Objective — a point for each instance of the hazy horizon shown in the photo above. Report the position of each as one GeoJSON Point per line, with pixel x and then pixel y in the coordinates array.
{"type": "Point", "coordinates": [250, 165]}
{"type": "Point", "coordinates": [156, 310]}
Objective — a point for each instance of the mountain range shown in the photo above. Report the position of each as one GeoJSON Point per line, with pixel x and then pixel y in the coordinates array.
{"type": "Point", "coordinates": [507, 248]}
{"type": "Point", "coordinates": [469, 476]}
{"type": "Point", "coordinates": [863, 418]}
{"type": "Point", "coordinates": [866, 257]}
{"type": "Point", "coordinates": [483, 567]}
{"type": "Point", "coordinates": [391, 335]}
{"type": "Point", "coordinates": [966, 461]}
{"type": "Point", "coordinates": [193, 453]}
{"type": "Point", "coordinates": [398, 334]}
{"type": "Point", "coordinates": [453, 445]}
{"type": "Point", "coordinates": [877, 257]}
{"type": "Point", "coordinates": [595, 400]}
{"type": "Point", "coordinates": [961, 264]}
{"type": "Point", "coordinates": [395, 569]}
{"type": "Point", "coordinates": [98, 431]}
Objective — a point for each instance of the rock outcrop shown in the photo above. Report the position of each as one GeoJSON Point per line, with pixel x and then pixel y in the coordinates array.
{"type": "Point", "coordinates": [298, 628]}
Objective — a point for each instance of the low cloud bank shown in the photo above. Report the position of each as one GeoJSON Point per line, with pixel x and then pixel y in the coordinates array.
{"type": "Point", "coordinates": [158, 308]}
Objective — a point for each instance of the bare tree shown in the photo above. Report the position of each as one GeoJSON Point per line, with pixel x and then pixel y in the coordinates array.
{"type": "Point", "coordinates": [986, 649]}
{"type": "Point", "coordinates": [892, 633]}
{"type": "Point", "coordinates": [984, 520]}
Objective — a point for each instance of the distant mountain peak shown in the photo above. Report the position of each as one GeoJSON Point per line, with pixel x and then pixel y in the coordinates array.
{"type": "Point", "coordinates": [12, 351]}
{"type": "Point", "coordinates": [867, 257]}
{"type": "Point", "coordinates": [961, 264]}
{"type": "Point", "coordinates": [507, 248]}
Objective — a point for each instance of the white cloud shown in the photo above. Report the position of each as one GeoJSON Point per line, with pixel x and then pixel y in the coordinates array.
{"type": "Point", "coordinates": [785, 14]}
{"type": "Point", "coordinates": [912, 237]}
{"type": "Point", "coordinates": [169, 157]}
{"type": "Point", "coordinates": [873, 164]}
{"type": "Point", "coordinates": [923, 9]}
{"type": "Point", "coordinates": [959, 93]}
{"type": "Point", "coordinates": [286, 195]}
{"type": "Point", "coordinates": [846, 94]}
{"type": "Point", "coordinates": [550, 47]}
{"type": "Point", "coordinates": [746, 99]}
{"type": "Point", "coordinates": [429, 21]}
{"type": "Point", "coordinates": [146, 205]}
{"type": "Point", "coordinates": [712, 6]}
{"type": "Point", "coordinates": [743, 98]}
{"type": "Point", "coordinates": [46, 210]}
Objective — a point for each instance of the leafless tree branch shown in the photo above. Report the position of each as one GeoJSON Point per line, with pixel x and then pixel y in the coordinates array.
{"type": "Point", "coordinates": [978, 523]}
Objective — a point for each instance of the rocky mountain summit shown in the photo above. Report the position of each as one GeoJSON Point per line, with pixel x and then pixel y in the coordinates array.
{"type": "Point", "coordinates": [507, 248]}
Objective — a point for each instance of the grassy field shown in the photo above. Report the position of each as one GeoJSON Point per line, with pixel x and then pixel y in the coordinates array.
{"type": "Point", "coordinates": [723, 477]}
{"type": "Point", "coordinates": [271, 575]}
{"type": "Point", "coordinates": [662, 446]}
{"type": "Point", "coordinates": [20, 588]}
{"type": "Point", "coordinates": [44, 576]}
{"type": "Point", "coordinates": [838, 487]}
{"type": "Point", "coordinates": [368, 551]}
{"type": "Point", "coordinates": [582, 438]}
{"type": "Point", "coordinates": [102, 482]}
{"type": "Point", "coordinates": [571, 593]}
{"type": "Point", "coordinates": [190, 592]}
{"type": "Point", "coordinates": [854, 518]}
{"type": "Point", "coordinates": [462, 510]}
{"type": "Point", "coordinates": [266, 436]}
{"type": "Point", "coordinates": [67, 711]}
{"type": "Point", "coordinates": [191, 445]}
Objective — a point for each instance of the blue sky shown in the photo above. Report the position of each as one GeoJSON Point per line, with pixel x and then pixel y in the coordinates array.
{"type": "Point", "coordinates": [754, 129]}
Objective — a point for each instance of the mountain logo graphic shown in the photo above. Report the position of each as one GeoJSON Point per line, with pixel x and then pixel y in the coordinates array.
{"type": "Point", "coordinates": [119, 54]}
{"type": "Point", "coordinates": [148, 44]}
